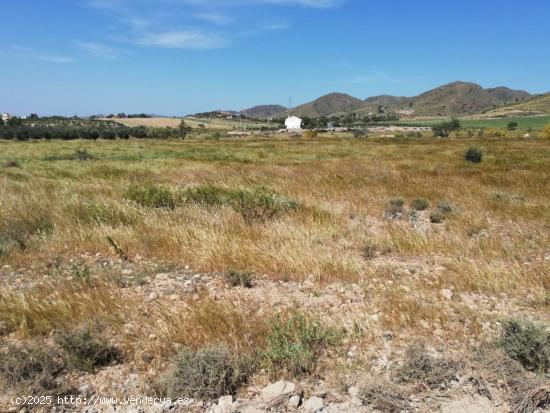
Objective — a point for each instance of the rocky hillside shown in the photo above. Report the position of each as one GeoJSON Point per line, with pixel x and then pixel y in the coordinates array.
{"type": "Point", "coordinates": [328, 105]}
{"type": "Point", "coordinates": [453, 99]}
{"type": "Point", "coordinates": [264, 111]}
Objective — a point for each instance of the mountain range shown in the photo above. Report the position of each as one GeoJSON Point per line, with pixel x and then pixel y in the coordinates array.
{"type": "Point", "coordinates": [453, 99]}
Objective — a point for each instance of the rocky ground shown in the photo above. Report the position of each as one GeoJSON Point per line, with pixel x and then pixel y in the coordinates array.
{"type": "Point", "coordinates": [335, 387]}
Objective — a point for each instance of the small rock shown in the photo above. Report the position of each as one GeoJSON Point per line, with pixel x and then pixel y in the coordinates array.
{"type": "Point", "coordinates": [353, 391]}
{"type": "Point", "coordinates": [313, 404]}
{"type": "Point", "coordinates": [161, 276]}
{"type": "Point", "coordinates": [127, 271]}
{"type": "Point", "coordinates": [226, 403]}
{"type": "Point", "coordinates": [277, 389]}
{"type": "Point", "coordinates": [446, 294]}
{"type": "Point", "coordinates": [294, 402]}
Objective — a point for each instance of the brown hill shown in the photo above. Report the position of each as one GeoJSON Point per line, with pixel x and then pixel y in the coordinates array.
{"type": "Point", "coordinates": [264, 111]}
{"type": "Point", "coordinates": [330, 104]}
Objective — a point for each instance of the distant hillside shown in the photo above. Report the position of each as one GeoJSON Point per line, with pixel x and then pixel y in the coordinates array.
{"type": "Point", "coordinates": [330, 104]}
{"type": "Point", "coordinates": [264, 111]}
{"type": "Point", "coordinates": [539, 103]}
{"type": "Point", "coordinates": [453, 99]}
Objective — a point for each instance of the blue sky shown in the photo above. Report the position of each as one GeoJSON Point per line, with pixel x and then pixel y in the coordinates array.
{"type": "Point", "coordinates": [176, 57]}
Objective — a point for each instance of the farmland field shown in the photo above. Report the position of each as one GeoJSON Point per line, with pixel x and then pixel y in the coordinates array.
{"type": "Point", "coordinates": [194, 122]}
{"type": "Point", "coordinates": [340, 246]}
{"type": "Point", "coordinates": [524, 122]}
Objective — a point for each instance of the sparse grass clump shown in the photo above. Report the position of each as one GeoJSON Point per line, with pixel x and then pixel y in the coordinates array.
{"type": "Point", "coordinates": [11, 164]}
{"type": "Point", "coordinates": [443, 211]}
{"type": "Point", "coordinates": [256, 205]}
{"type": "Point", "coordinates": [294, 342]}
{"type": "Point", "coordinates": [82, 155]}
{"type": "Point", "coordinates": [86, 349]}
{"type": "Point", "coordinates": [527, 343]}
{"type": "Point", "coordinates": [394, 208]}
{"type": "Point", "coordinates": [150, 196]}
{"type": "Point", "coordinates": [420, 204]}
{"type": "Point", "coordinates": [102, 213]}
{"type": "Point", "coordinates": [421, 367]}
{"type": "Point", "coordinates": [17, 229]}
{"type": "Point", "coordinates": [473, 155]}
{"type": "Point", "coordinates": [383, 395]}
{"type": "Point", "coordinates": [30, 367]}
{"type": "Point", "coordinates": [239, 279]}
{"type": "Point", "coordinates": [204, 374]}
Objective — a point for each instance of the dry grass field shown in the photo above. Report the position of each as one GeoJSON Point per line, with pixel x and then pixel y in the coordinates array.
{"type": "Point", "coordinates": [343, 242]}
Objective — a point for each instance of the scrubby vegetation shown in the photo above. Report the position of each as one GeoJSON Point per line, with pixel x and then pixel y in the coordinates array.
{"type": "Point", "coordinates": [473, 155]}
{"type": "Point", "coordinates": [527, 343]}
{"type": "Point", "coordinates": [85, 348]}
{"type": "Point", "coordinates": [294, 341]}
{"type": "Point", "coordinates": [205, 374]}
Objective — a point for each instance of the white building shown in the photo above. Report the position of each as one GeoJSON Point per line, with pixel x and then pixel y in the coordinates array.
{"type": "Point", "coordinates": [293, 123]}
{"type": "Point", "coordinates": [5, 117]}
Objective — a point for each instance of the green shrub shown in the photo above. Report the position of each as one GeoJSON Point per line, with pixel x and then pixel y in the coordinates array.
{"type": "Point", "coordinates": [294, 342]}
{"type": "Point", "coordinates": [205, 374]}
{"type": "Point", "coordinates": [151, 196]}
{"type": "Point", "coordinates": [256, 205]}
{"type": "Point", "coordinates": [473, 155]}
{"type": "Point", "coordinates": [16, 230]}
{"type": "Point", "coordinates": [85, 349]}
{"type": "Point", "coordinates": [527, 343]}
{"type": "Point", "coordinates": [394, 208]}
{"type": "Point", "coordinates": [420, 367]}
{"type": "Point", "coordinates": [239, 279]}
{"type": "Point", "coordinates": [101, 213]}
{"type": "Point", "coordinates": [81, 155]}
{"type": "Point", "coordinates": [419, 204]}
{"type": "Point", "coordinates": [443, 211]}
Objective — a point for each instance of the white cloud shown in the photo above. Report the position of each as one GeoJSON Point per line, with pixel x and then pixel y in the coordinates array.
{"type": "Point", "coordinates": [183, 39]}
{"type": "Point", "coordinates": [98, 50]}
{"type": "Point", "coordinates": [28, 53]}
{"type": "Point", "coordinates": [191, 24]}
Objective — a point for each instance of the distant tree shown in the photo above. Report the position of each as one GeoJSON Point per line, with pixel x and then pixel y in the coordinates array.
{"type": "Point", "coordinates": [512, 125]}
{"type": "Point", "coordinates": [121, 115]}
{"type": "Point", "coordinates": [444, 129]}
{"type": "Point", "coordinates": [184, 129]}
{"type": "Point", "coordinates": [33, 116]}
{"type": "Point", "coordinates": [1, 122]}
{"type": "Point", "coordinates": [15, 121]}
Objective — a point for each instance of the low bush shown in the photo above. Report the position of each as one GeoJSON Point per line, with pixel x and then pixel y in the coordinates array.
{"type": "Point", "coordinates": [81, 155]}
{"type": "Point", "coordinates": [310, 134]}
{"type": "Point", "coordinates": [11, 164]}
{"type": "Point", "coordinates": [30, 366]}
{"type": "Point", "coordinates": [443, 211]}
{"type": "Point", "coordinates": [86, 349]}
{"type": "Point", "coordinates": [527, 343]}
{"type": "Point", "coordinates": [101, 213]}
{"type": "Point", "coordinates": [419, 204]}
{"type": "Point", "coordinates": [383, 395]}
{"type": "Point", "coordinates": [151, 196]}
{"type": "Point", "coordinates": [294, 342]}
{"type": "Point", "coordinates": [394, 208]}
{"type": "Point", "coordinates": [17, 228]}
{"type": "Point", "coordinates": [421, 367]}
{"type": "Point", "coordinates": [239, 279]}
{"type": "Point", "coordinates": [255, 205]}
{"type": "Point", "coordinates": [545, 132]}
{"type": "Point", "coordinates": [205, 374]}
{"type": "Point", "coordinates": [473, 155]}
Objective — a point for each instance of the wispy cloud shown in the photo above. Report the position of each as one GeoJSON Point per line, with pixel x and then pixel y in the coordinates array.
{"type": "Point", "coordinates": [183, 39]}
{"type": "Point", "coordinates": [28, 53]}
{"type": "Point", "coordinates": [192, 24]}
{"type": "Point", "coordinates": [98, 50]}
